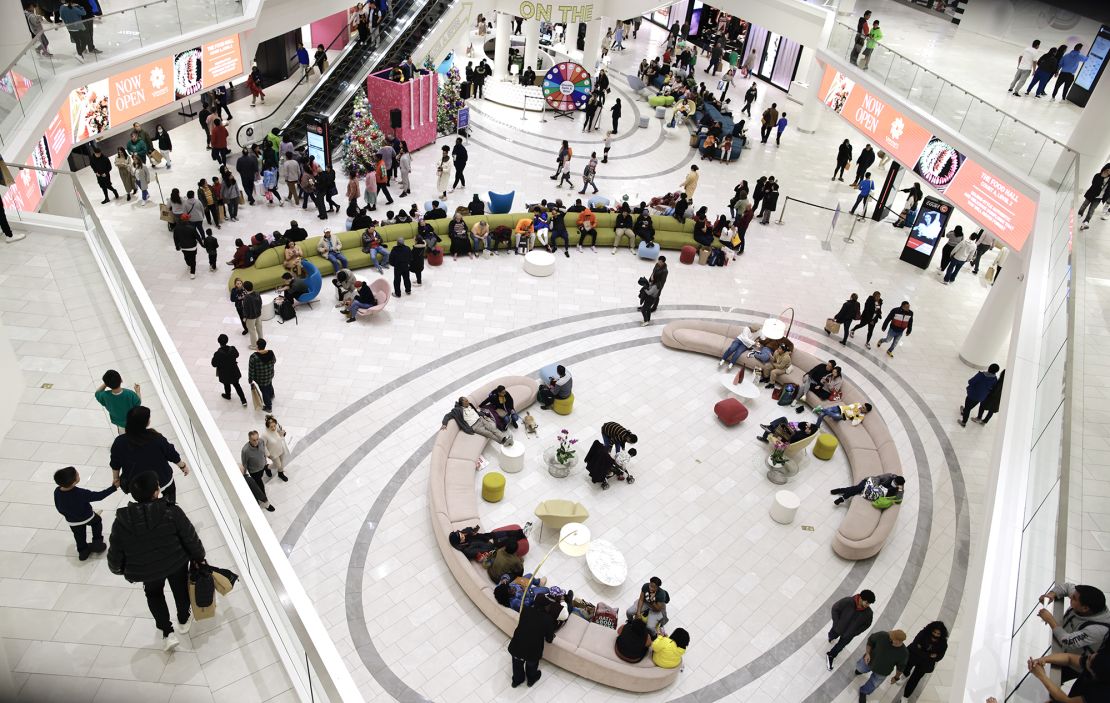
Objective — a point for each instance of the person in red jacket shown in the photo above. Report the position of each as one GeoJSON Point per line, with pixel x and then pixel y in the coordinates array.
{"type": "Point", "coordinates": [218, 138]}
{"type": "Point", "coordinates": [899, 321]}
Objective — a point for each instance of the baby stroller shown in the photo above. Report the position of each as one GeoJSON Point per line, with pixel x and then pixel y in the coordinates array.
{"type": "Point", "coordinates": [602, 466]}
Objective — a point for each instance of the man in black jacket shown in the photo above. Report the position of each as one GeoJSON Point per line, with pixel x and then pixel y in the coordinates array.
{"type": "Point", "coordinates": [1098, 192]}
{"type": "Point", "coordinates": [851, 616]}
{"type": "Point", "coordinates": [812, 378]}
{"type": "Point", "coordinates": [533, 628]}
{"type": "Point", "coordinates": [659, 278]}
{"type": "Point", "coordinates": [295, 233]}
{"type": "Point", "coordinates": [185, 240]}
{"type": "Point", "coordinates": [102, 167]}
{"type": "Point", "coordinates": [153, 542]}
{"type": "Point", "coordinates": [247, 166]}
{"type": "Point", "coordinates": [436, 213]}
{"type": "Point", "coordinates": [863, 163]}
{"type": "Point", "coordinates": [226, 362]}
{"type": "Point", "coordinates": [400, 258]}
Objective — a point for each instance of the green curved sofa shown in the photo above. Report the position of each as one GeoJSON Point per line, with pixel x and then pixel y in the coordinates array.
{"type": "Point", "coordinates": [266, 272]}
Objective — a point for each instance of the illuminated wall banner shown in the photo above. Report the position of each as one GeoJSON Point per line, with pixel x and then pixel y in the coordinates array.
{"type": "Point", "coordinates": [140, 90]}
{"type": "Point", "coordinates": [23, 195]}
{"type": "Point", "coordinates": [222, 61]}
{"type": "Point", "coordinates": [991, 202]}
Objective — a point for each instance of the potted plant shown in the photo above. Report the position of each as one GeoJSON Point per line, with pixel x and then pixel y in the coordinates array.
{"type": "Point", "coordinates": [778, 454]}
{"type": "Point", "coordinates": [562, 457]}
{"type": "Point", "coordinates": [782, 467]}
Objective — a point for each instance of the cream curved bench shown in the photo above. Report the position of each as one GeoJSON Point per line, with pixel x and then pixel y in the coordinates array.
{"type": "Point", "coordinates": [580, 647]}
{"type": "Point", "coordinates": [868, 446]}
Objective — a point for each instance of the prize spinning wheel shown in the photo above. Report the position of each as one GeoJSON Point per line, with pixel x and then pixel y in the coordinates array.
{"type": "Point", "coordinates": [566, 87]}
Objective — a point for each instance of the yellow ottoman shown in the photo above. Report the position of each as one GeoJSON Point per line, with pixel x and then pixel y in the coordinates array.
{"type": "Point", "coordinates": [493, 487]}
{"type": "Point", "coordinates": [825, 447]}
{"type": "Point", "coordinates": [563, 406]}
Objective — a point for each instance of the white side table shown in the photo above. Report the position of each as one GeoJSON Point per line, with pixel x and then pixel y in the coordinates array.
{"type": "Point", "coordinates": [512, 457]}
{"type": "Point", "coordinates": [606, 563]}
{"type": "Point", "coordinates": [785, 507]}
{"type": "Point", "coordinates": [539, 263]}
{"type": "Point", "coordinates": [746, 389]}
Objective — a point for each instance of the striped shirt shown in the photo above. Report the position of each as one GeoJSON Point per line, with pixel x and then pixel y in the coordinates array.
{"type": "Point", "coordinates": [616, 432]}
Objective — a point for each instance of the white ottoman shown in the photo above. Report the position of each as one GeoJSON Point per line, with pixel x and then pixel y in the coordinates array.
{"type": "Point", "coordinates": [785, 506]}
{"type": "Point", "coordinates": [539, 263]}
{"type": "Point", "coordinates": [512, 457]}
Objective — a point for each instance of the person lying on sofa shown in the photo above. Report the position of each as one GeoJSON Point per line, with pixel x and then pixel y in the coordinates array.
{"type": "Point", "coordinates": [633, 641]}
{"type": "Point", "coordinates": [470, 421]}
{"type": "Point", "coordinates": [743, 342]}
{"type": "Point", "coordinates": [505, 563]}
{"type": "Point", "coordinates": [852, 412]}
{"type": "Point", "coordinates": [791, 432]}
{"type": "Point", "coordinates": [890, 486]}
{"type": "Point", "coordinates": [471, 542]}
{"type": "Point", "coordinates": [500, 405]}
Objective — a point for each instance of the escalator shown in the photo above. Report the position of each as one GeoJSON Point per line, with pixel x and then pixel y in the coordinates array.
{"type": "Point", "coordinates": [333, 95]}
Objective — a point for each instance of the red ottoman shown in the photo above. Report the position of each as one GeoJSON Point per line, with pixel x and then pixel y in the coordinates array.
{"type": "Point", "coordinates": [730, 411]}
{"type": "Point", "coordinates": [522, 545]}
{"type": "Point", "coordinates": [435, 257]}
{"type": "Point", "coordinates": [687, 255]}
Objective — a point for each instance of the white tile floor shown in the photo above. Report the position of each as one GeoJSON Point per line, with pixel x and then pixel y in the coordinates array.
{"type": "Point", "coordinates": [518, 324]}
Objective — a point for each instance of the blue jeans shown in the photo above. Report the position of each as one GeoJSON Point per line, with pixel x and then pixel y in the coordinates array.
{"type": "Point", "coordinates": [1040, 79]}
{"type": "Point", "coordinates": [377, 252]}
{"type": "Point", "coordinates": [861, 198]}
{"type": "Point", "coordinates": [356, 306]}
{"type": "Point", "coordinates": [893, 335]}
{"type": "Point", "coordinates": [872, 681]}
{"type": "Point", "coordinates": [338, 261]}
{"type": "Point", "coordinates": [954, 267]}
{"type": "Point", "coordinates": [732, 354]}
{"type": "Point", "coordinates": [609, 444]}
{"type": "Point", "coordinates": [833, 411]}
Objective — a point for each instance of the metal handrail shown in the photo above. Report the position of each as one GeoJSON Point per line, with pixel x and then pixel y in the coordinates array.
{"type": "Point", "coordinates": [965, 90]}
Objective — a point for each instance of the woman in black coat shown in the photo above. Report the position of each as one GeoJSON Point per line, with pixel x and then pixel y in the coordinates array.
{"type": "Point", "coordinates": [416, 263]}
{"type": "Point", "coordinates": [141, 449]}
{"type": "Point", "coordinates": [849, 313]}
{"type": "Point", "coordinates": [872, 313]}
{"type": "Point", "coordinates": [992, 401]}
{"type": "Point", "coordinates": [843, 158]}
{"type": "Point", "coordinates": [226, 363]}
{"type": "Point", "coordinates": [925, 651]}
{"type": "Point", "coordinates": [616, 110]}
{"type": "Point", "coordinates": [533, 628]}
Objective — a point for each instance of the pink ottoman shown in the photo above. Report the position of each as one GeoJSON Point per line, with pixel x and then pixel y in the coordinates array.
{"type": "Point", "coordinates": [687, 254]}
{"type": "Point", "coordinates": [730, 412]}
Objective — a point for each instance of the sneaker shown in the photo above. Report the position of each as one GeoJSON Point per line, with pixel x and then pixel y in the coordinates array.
{"type": "Point", "coordinates": [720, 363]}
{"type": "Point", "coordinates": [614, 251]}
{"type": "Point", "coordinates": [961, 422]}
{"type": "Point", "coordinates": [80, 58]}
{"type": "Point", "coordinates": [184, 627]}
{"type": "Point", "coordinates": [829, 660]}
{"type": "Point", "coordinates": [283, 477]}
{"type": "Point", "coordinates": [1105, 215]}
{"type": "Point", "coordinates": [170, 642]}
{"type": "Point", "coordinates": [527, 527]}
{"type": "Point", "coordinates": [593, 249]}
{"type": "Point", "coordinates": [192, 276]}
{"type": "Point", "coordinates": [579, 247]}
{"type": "Point", "coordinates": [867, 345]}
{"type": "Point", "coordinates": [838, 501]}
{"type": "Point", "coordinates": [730, 367]}
{"type": "Point", "coordinates": [269, 508]}
{"type": "Point", "coordinates": [645, 323]}
{"type": "Point", "coordinates": [1084, 226]}
{"type": "Point", "coordinates": [890, 354]}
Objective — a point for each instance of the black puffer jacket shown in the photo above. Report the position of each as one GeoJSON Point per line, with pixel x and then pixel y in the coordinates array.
{"type": "Point", "coordinates": [150, 541]}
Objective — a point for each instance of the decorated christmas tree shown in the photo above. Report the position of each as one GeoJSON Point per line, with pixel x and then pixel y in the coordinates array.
{"type": "Point", "coordinates": [363, 139]}
{"type": "Point", "coordinates": [450, 101]}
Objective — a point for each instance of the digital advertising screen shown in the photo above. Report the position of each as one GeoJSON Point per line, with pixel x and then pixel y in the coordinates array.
{"type": "Point", "coordinates": [88, 110]}
{"type": "Point", "coordinates": [222, 60]}
{"type": "Point", "coordinates": [938, 164]}
{"type": "Point", "coordinates": [140, 90]}
{"type": "Point", "coordinates": [835, 89]}
{"type": "Point", "coordinates": [928, 228]}
{"type": "Point", "coordinates": [187, 78]}
{"type": "Point", "coordinates": [1096, 59]}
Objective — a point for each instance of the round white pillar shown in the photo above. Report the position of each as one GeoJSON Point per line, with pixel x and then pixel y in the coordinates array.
{"type": "Point", "coordinates": [810, 109]}
{"type": "Point", "coordinates": [501, 45]}
{"type": "Point", "coordinates": [531, 31]}
{"type": "Point", "coordinates": [592, 51]}
{"type": "Point", "coordinates": [989, 335]}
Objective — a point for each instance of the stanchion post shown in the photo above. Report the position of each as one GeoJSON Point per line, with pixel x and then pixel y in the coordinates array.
{"type": "Point", "coordinates": [782, 213]}
{"type": "Point", "coordinates": [524, 108]}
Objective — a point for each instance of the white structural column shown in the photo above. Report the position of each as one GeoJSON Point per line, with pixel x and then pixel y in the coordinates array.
{"type": "Point", "coordinates": [1090, 136]}
{"type": "Point", "coordinates": [987, 340]}
{"type": "Point", "coordinates": [809, 72]}
{"type": "Point", "coordinates": [16, 37]}
{"type": "Point", "coordinates": [531, 31]}
{"type": "Point", "coordinates": [591, 52]}
{"type": "Point", "coordinates": [501, 45]}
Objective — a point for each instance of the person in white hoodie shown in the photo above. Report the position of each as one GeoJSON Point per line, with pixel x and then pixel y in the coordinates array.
{"type": "Point", "coordinates": [743, 342]}
{"type": "Point", "coordinates": [961, 254]}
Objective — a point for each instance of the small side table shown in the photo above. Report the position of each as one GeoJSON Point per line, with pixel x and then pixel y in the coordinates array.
{"type": "Point", "coordinates": [785, 507]}
{"type": "Point", "coordinates": [512, 457]}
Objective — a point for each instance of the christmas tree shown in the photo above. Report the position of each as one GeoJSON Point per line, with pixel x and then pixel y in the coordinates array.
{"type": "Point", "coordinates": [450, 101]}
{"type": "Point", "coordinates": [363, 139]}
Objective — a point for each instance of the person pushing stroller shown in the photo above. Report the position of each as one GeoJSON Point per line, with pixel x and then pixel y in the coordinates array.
{"type": "Point", "coordinates": [602, 466]}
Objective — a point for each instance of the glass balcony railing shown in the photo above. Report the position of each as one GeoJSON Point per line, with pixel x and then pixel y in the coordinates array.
{"type": "Point", "coordinates": [30, 76]}
{"type": "Point", "coordinates": [1021, 145]}
{"type": "Point", "coordinates": [311, 659]}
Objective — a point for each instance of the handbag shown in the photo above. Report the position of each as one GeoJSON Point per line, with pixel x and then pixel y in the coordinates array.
{"type": "Point", "coordinates": [739, 376]}
{"type": "Point", "coordinates": [832, 326]}
{"type": "Point", "coordinates": [883, 503]}
{"type": "Point", "coordinates": [165, 213]}
{"type": "Point", "coordinates": [256, 396]}
{"type": "Point", "coordinates": [156, 156]}
{"type": "Point", "coordinates": [776, 394]}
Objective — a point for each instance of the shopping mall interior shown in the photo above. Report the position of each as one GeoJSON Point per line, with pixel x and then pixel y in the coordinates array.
{"type": "Point", "coordinates": [742, 469]}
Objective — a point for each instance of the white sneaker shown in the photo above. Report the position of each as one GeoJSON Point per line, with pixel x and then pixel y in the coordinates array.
{"type": "Point", "coordinates": [170, 642]}
{"type": "Point", "coordinates": [730, 367]}
{"type": "Point", "coordinates": [720, 363]}
{"type": "Point", "coordinates": [1084, 226]}
{"type": "Point", "coordinates": [184, 628]}
{"type": "Point", "coordinates": [192, 276]}
{"type": "Point", "coordinates": [1106, 214]}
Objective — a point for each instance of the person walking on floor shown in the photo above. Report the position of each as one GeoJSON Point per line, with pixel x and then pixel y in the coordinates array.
{"type": "Point", "coordinates": [690, 182]}
{"type": "Point", "coordinates": [401, 260]}
{"type": "Point", "coordinates": [534, 628]}
{"type": "Point", "coordinates": [588, 173]}
{"type": "Point", "coordinates": [961, 254]}
{"type": "Point", "coordinates": [616, 112]}
{"type": "Point", "coordinates": [443, 172]}
{"type": "Point", "coordinates": [649, 297]}
{"type": "Point", "coordinates": [152, 542]}
{"type": "Point", "coordinates": [849, 312]}
{"type": "Point", "coordinates": [260, 371]}
{"type": "Point", "coordinates": [898, 321]}
{"type": "Point", "coordinates": [865, 187]}
{"type": "Point", "coordinates": [979, 387]}
{"type": "Point", "coordinates": [276, 447]}
{"type": "Point", "coordinates": [185, 240]}
{"type": "Point", "coordinates": [116, 399]}
{"type": "Point", "coordinates": [1098, 191]}
{"type": "Point", "coordinates": [780, 127]}
{"type": "Point", "coordinates": [984, 242]}
{"type": "Point", "coordinates": [749, 98]}
{"type": "Point", "coordinates": [254, 463]}
{"type": "Point", "coordinates": [252, 312]}
{"type": "Point", "coordinates": [459, 155]}
{"type": "Point", "coordinates": [226, 362]}
{"type": "Point", "coordinates": [927, 648]}
{"type": "Point", "coordinates": [872, 313]}
{"type": "Point", "coordinates": [75, 505]}
{"type": "Point", "coordinates": [141, 449]}
{"type": "Point", "coordinates": [767, 122]}
{"type": "Point", "coordinates": [1027, 61]}
{"type": "Point", "coordinates": [866, 158]}
{"type": "Point", "coordinates": [851, 616]}
{"type": "Point", "coordinates": [404, 168]}
{"type": "Point", "coordinates": [886, 653]}
{"type": "Point", "coordinates": [102, 167]}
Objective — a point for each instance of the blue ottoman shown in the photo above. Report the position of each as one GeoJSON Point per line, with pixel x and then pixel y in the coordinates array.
{"type": "Point", "coordinates": [648, 252]}
{"type": "Point", "coordinates": [599, 201]}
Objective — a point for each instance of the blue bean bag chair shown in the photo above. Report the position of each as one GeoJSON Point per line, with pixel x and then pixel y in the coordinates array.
{"type": "Point", "coordinates": [314, 280]}
{"type": "Point", "coordinates": [501, 203]}
{"type": "Point", "coordinates": [598, 201]}
{"type": "Point", "coordinates": [646, 252]}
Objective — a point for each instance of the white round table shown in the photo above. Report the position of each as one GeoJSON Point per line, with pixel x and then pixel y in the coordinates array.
{"type": "Point", "coordinates": [606, 563]}
{"type": "Point", "coordinates": [539, 263]}
{"type": "Point", "coordinates": [785, 507]}
{"type": "Point", "coordinates": [268, 311]}
{"type": "Point", "coordinates": [745, 389]}
{"type": "Point", "coordinates": [512, 457]}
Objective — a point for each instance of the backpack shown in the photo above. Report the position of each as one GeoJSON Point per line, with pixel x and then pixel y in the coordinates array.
{"type": "Point", "coordinates": [285, 310]}
{"type": "Point", "coordinates": [716, 258]}
{"type": "Point", "coordinates": [789, 393]}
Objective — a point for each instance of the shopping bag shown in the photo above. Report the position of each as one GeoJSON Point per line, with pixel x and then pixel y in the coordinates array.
{"type": "Point", "coordinates": [832, 326]}
{"type": "Point", "coordinates": [156, 157]}
{"type": "Point", "coordinates": [256, 396]}
{"type": "Point", "coordinates": [242, 199]}
{"type": "Point", "coordinates": [165, 213]}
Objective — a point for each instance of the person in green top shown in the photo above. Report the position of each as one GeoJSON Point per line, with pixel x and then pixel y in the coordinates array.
{"type": "Point", "coordinates": [886, 651]}
{"type": "Point", "coordinates": [116, 399]}
{"type": "Point", "coordinates": [873, 39]}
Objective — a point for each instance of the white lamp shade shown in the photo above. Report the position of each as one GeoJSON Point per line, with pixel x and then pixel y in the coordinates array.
{"type": "Point", "coordinates": [773, 328]}
{"type": "Point", "coordinates": [574, 539]}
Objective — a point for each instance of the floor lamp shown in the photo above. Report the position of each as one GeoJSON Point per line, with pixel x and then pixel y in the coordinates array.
{"type": "Point", "coordinates": [574, 541]}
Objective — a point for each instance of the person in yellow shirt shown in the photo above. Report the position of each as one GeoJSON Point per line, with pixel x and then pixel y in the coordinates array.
{"type": "Point", "coordinates": [522, 235]}
{"type": "Point", "coordinates": [666, 652]}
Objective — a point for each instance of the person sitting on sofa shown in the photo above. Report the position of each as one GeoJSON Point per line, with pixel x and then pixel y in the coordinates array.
{"type": "Point", "coordinates": [522, 235]}
{"type": "Point", "coordinates": [476, 206]}
{"type": "Point", "coordinates": [651, 606]}
{"type": "Point", "coordinates": [436, 213]}
{"type": "Point", "coordinates": [541, 226]}
{"type": "Point", "coordinates": [622, 228]}
{"type": "Point", "coordinates": [500, 405]}
{"type": "Point", "coordinates": [791, 432]}
{"type": "Point", "coordinates": [509, 592]}
{"type": "Point", "coordinates": [472, 542]}
{"type": "Point", "coordinates": [644, 228]}
{"type": "Point", "coordinates": [470, 421]}
{"type": "Point", "coordinates": [460, 238]}
{"type": "Point", "coordinates": [587, 226]}
{"type": "Point", "coordinates": [781, 362]}
{"type": "Point", "coordinates": [633, 641]}
{"type": "Point", "coordinates": [329, 248]}
{"type": "Point", "coordinates": [505, 562]}
{"type": "Point", "coordinates": [890, 486]}
{"type": "Point", "coordinates": [831, 385]}
{"type": "Point", "coordinates": [557, 388]}
{"type": "Point", "coordinates": [479, 235]}
{"type": "Point", "coordinates": [295, 233]}
{"type": "Point", "coordinates": [743, 342]}
{"type": "Point", "coordinates": [293, 256]}
{"type": "Point", "coordinates": [363, 299]}
{"type": "Point", "coordinates": [426, 232]}
{"type": "Point", "coordinates": [666, 652]}
{"type": "Point", "coordinates": [373, 245]}
{"type": "Point", "coordinates": [812, 378]}
{"type": "Point", "coordinates": [852, 412]}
